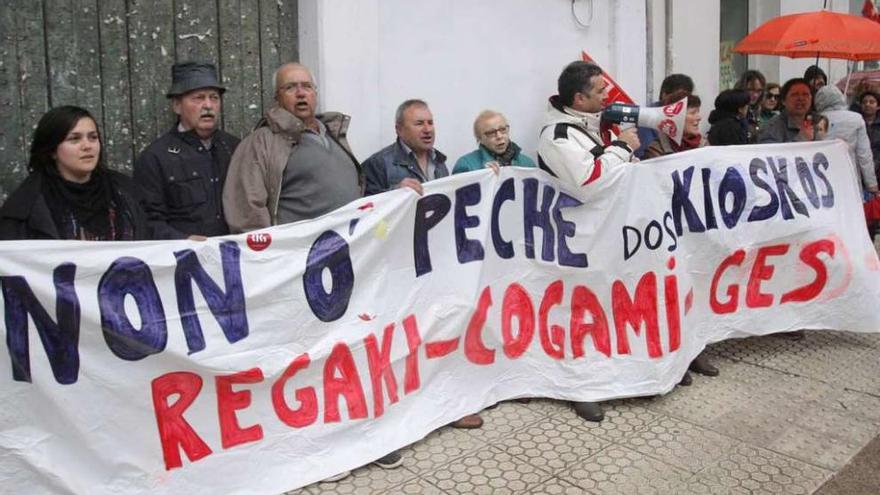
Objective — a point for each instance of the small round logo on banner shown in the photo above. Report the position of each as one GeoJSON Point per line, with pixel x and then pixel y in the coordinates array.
{"type": "Point", "coordinates": [259, 241]}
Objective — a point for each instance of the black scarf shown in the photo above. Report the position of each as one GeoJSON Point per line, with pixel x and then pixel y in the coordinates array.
{"type": "Point", "coordinates": [506, 159]}
{"type": "Point", "coordinates": [89, 211]}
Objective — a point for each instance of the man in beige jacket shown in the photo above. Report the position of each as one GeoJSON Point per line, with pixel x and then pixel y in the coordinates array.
{"type": "Point", "coordinates": [296, 165]}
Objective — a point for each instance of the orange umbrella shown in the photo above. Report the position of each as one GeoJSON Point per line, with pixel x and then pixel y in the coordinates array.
{"type": "Point", "coordinates": [815, 34]}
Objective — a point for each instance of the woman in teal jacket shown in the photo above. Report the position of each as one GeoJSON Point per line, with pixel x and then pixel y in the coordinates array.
{"type": "Point", "coordinates": [493, 134]}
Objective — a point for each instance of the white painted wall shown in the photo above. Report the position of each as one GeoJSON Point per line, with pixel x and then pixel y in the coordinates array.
{"type": "Point", "coordinates": [693, 50]}
{"type": "Point", "coordinates": [461, 56]}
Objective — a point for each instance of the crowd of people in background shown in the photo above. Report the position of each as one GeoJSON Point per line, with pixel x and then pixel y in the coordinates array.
{"type": "Point", "coordinates": [197, 181]}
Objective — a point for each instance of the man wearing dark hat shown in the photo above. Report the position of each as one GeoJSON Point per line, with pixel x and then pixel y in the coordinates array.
{"type": "Point", "coordinates": [181, 173]}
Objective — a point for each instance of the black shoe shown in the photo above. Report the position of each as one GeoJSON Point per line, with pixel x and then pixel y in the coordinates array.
{"type": "Point", "coordinates": [702, 366]}
{"type": "Point", "coordinates": [389, 461]}
{"type": "Point", "coordinates": [793, 336]}
{"type": "Point", "coordinates": [591, 411]}
{"type": "Point", "coordinates": [686, 380]}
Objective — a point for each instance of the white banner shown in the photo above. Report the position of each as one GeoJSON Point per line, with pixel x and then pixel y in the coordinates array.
{"type": "Point", "coordinates": [261, 363]}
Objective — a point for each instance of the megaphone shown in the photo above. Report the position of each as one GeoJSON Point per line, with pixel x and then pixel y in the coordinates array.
{"type": "Point", "coordinates": [668, 119]}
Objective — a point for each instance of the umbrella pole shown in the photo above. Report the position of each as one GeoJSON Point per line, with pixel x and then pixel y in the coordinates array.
{"type": "Point", "coordinates": [848, 76]}
{"type": "Point", "coordinates": [824, 7]}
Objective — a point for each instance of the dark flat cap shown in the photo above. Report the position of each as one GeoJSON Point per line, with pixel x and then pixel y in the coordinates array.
{"type": "Point", "coordinates": [188, 76]}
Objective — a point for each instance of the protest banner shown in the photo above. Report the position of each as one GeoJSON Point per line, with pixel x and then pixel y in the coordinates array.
{"type": "Point", "coordinates": [263, 362]}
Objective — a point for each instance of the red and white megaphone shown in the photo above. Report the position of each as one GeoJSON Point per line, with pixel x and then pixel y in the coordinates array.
{"type": "Point", "coordinates": [668, 119]}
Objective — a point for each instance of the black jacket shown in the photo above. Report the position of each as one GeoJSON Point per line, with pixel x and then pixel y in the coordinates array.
{"type": "Point", "coordinates": [182, 183]}
{"type": "Point", "coordinates": [25, 214]}
{"type": "Point", "coordinates": [727, 128]}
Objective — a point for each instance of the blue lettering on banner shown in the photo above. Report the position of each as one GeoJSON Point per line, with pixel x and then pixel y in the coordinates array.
{"type": "Point", "coordinates": [60, 339]}
{"type": "Point", "coordinates": [131, 276]}
{"type": "Point", "coordinates": [329, 251]}
{"type": "Point", "coordinates": [228, 306]}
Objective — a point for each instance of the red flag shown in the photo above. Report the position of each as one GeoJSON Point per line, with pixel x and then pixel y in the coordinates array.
{"type": "Point", "coordinates": [615, 92]}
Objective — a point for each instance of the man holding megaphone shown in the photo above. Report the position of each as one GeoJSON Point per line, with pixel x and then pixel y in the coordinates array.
{"type": "Point", "coordinates": [571, 146]}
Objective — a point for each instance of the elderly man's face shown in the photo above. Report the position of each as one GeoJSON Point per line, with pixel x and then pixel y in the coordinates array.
{"type": "Point", "coordinates": [417, 128]}
{"type": "Point", "coordinates": [494, 134]}
{"type": "Point", "coordinates": [296, 92]}
{"type": "Point", "coordinates": [199, 110]}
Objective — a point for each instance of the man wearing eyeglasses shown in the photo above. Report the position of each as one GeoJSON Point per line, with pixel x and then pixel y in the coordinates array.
{"type": "Point", "coordinates": [296, 165]}
{"type": "Point", "coordinates": [495, 147]}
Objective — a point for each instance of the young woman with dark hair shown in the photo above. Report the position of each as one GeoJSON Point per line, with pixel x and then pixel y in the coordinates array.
{"type": "Point", "coordinates": [69, 192]}
{"type": "Point", "coordinates": [728, 120]}
{"type": "Point", "coordinates": [771, 105]}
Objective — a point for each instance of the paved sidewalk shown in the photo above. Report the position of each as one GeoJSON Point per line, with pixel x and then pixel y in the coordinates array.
{"type": "Point", "coordinates": [782, 418]}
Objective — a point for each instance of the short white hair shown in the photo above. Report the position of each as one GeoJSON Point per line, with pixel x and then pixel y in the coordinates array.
{"type": "Point", "coordinates": [286, 65]}
{"type": "Point", "coordinates": [485, 115]}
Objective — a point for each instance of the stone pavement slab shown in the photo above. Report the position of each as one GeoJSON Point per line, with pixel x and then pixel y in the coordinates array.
{"type": "Point", "coordinates": [782, 418]}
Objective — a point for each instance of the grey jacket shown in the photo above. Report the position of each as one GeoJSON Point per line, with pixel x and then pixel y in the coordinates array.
{"type": "Point", "coordinates": [253, 184]}
{"type": "Point", "coordinates": [850, 127]}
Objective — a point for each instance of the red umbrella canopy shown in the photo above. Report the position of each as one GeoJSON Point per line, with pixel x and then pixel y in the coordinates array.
{"type": "Point", "coordinates": [823, 34]}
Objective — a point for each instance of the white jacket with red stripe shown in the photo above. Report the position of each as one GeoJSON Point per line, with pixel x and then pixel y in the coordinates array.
{"type": "Point", "coordinates": [570, 147]}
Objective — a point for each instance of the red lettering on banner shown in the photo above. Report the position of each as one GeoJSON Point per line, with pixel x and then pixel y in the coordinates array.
{"type": "Point", "coordinates": [174, 431]}
{"type": "Point", "coordinates": [348, 384]}
{"type": "Point", "coordinates": [474, 349]}
{"type": "Point", "coordinates": [760, 272]}
{"type": "Point", "coordinates": [380, 368]}
{"type": "Point", "coordinates": [635, 311]}
{"type": "Point", "coordinates": [810, 256]}
{"type": "Point", "coordinates": [440, 348]}
{"type": "Point", "coordinates": [411, 379]}
{"type": "Point", "coordinates": [229, 401]}
{"type": "Point", "coordinates": [673, 318]}
{"type": "Point", "coordinates": [729, 306]}
{"type": "Point", "coordinates": [552, 339]}
{"type": "Point", "coordinates": [307, 413]}
{"type": "Point", "coordinates": [518, 304]}
{"type": "Point", "coordinates": [584, 301]}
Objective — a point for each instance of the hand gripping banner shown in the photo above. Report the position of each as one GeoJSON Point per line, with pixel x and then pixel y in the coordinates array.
{"type": "Point", "coordinates": [260, 363]}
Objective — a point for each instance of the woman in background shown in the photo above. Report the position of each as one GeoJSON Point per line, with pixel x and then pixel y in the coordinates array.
{"type": "Point", "coordinates": [69, 192]}
{"type": "Point", "coordinates": [691, 138]}
{"type": "Point", "coordinates": [728, 120]}
{"type": "Point", "coordinates": [771, 105]}
{"type": "Point", "coordinates": [795, 122]}
{"type": "Point", "coordinates": [665, 146]}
